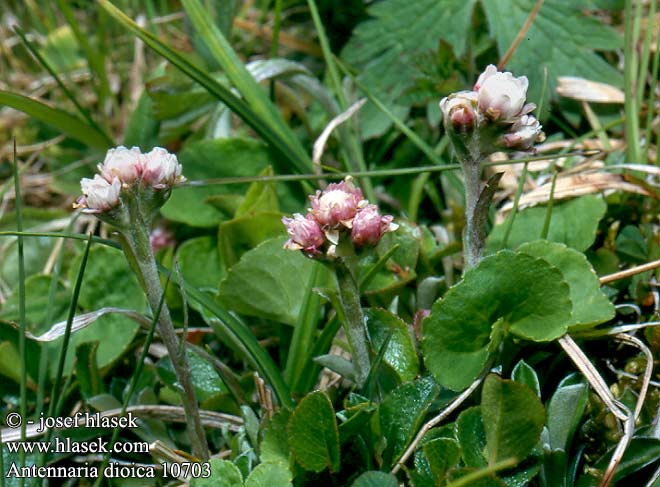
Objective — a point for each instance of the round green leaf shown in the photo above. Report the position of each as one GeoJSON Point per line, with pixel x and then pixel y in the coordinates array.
{"type": "Point", "coordinates": [269, 282]}
{"type": "Point", "coordinates": [376, 479]}
{"type": "Point", "coordinates": [313, 435]}
{"type": "Point", "coordinates": [472, 437]}
{"type": "Point", "coordinates": [590, 306]}
{"type": "Point", "coordinates": [223, 474]}
{"type": "Point", "coordinates": [573, 223]}
{"type": "Point", "coordinates": [513, 418]}
{"type": "Point", "coordinates": [522, 295]}
{"type": "Point", "coordinates": [400, 353]}
{"type": "Point", "coordinates": [270, 474]}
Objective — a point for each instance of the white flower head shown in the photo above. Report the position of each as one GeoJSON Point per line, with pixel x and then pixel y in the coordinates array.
{"type": "Point", "coordinates": [98, 194]}
{"type": "Point", "coordinates": [122, 163]}
{"type": "Point", "coordinates": [525, 132]}
{"type": "Point", "coordinates": [161, 168]}
{"type": "Point", "coordinates": [461, 109]}
{"type": "Point", "coordinates": [501, 95]}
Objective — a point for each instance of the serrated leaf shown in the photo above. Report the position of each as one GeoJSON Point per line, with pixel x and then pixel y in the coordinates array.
{"type": "Point", "coordinates": [387, 47]}
{"type": "Point", "coordinates": [313, 435]}
{"type": "Point", "coordinates": [573, 223]}
{"type": "Point", "coordinates": [505, 293]}
{"type": "Point", "coordinates": [561, 38]}
{"type": "Point", "coordinates": [401, 414]}
{"type": "Point", "coordinates": [400, 353]}
{"type": "Point", "coordinates": [266, 282]}
{"type": "Point", "coordinates": [376, 479]}
{"type": "Point", "coordinates": [590, 305]}
{"type": "Point", "coordinates": [513, 419]}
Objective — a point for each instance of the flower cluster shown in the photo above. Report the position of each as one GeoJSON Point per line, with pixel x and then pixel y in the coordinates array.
{"type": "Point", "coordinates": [125, 168]}
{"type": "Point", "coordinates": [497, 100]}
{"type": "Point", "coordinates": [339, 209]}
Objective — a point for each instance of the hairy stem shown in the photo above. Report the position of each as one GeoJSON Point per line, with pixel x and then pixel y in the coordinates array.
{"type": "Point", "coordinates": [136, 240]}
{"type": "Point", "coordinates": [349, 297]}
{"type": "Point", "coordinates": [472, 243]}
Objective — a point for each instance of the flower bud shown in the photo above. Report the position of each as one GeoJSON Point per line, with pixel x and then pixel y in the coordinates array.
{"type": "Point", "coordinates": [161, 169]}
{"type": "Point", "coordinates": [525, 132]}
{"type": "Point", "coordinates": [98, 194]}
{"type": "Point", "coordinates": [337, 204]}
{"type": "Point", "coordinates": [501, 95]}
{"type": "Point", "coordinates": [369, 226]}
{"type": "Point", "coordinates": [304, 233]}
{"type": "Point", "coordinates": [460, 109]}
{"type": "Point", "coordinates": [122, 163]}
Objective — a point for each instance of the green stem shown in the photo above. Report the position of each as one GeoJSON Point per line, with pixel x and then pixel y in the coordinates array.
{"type": "Point", "coordinates": [136, 240]}
{"type": "Point", "coordinates": [349, 297]}
{"type": "Point", "coordinates": [472, 246]}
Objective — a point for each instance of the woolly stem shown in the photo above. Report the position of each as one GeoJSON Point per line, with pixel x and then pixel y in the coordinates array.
{"type": "Point", "coordinates": [472, 243]}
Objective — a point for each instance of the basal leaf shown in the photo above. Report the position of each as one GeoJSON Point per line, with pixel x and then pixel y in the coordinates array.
{"type": "Point", "coordinates": [401, 414]}
{"type": "Point", "coordinates": [472, 437]}
{"type": "Point", "coordinates": [400, 353]}
{"type": "Point", "coordinates": [270, 474]}
{"type": "Point", "coordinates": [562, 39]}
{"type": "Point", "coordinates": [506, 293]}
{"type": "Point", "coordinates": [590, 306]}
{"type": "Point", "coordinates": [573, 223]}
{"type": "Point", "coordinates": [565, 411]}
{"type": "Point", "coordinates": [268, 282]}
{"type": "Point", "coordinates": [376, 479]}
{"type": "Point", "coordinates": [223, 474]}
{"type": "Point", "coordinates": [387, 47]}
{"type": "Point", "coordinates": [313, 434]}
{"type": "Point", "coordinates": [513, 419]}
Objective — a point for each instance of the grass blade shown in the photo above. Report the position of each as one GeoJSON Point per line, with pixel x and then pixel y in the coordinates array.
{"type": "Point", "coordinates": [21, 307]}
{"type": "Point", "coordinates": [300, 161]}
{"type": "Point", "coordinates": [61, 120]}
{"type": "Point", "coordinates": [255, 96]}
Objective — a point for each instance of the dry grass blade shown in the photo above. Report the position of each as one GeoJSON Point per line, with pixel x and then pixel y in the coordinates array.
{"type": "Point", "coordinates": [590, 91]}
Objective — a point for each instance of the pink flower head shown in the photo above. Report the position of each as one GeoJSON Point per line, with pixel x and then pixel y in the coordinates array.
{"type": "Point", "coordinates": [98, 194]}
{"type": "Point", "coordinates": [460, 109]}
{"type": "Point", "coordinates": [161, 169]}
{"type": "Point", "coordinates": [525, 132]}
{"type": "Point", "coordinates": [501, 95]}
{"type": "Point", "coordinates": [337, 204]}
{"type": "Point", "coordinates": [369, 226]}
{"type": "Point", "coordinates": [122, 163]}
{"type": "Point", "coordinates": [304, 233]}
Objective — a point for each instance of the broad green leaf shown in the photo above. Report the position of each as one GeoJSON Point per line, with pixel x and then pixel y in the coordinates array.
{"type": "Point", "coordinates": [590, 306]}
{"type": "Point", "coordinates": [387, 48]}
{"type": "Point", "coordinates": [513, 419]}
{"type": "Point", "coordinates": [631, 245]}
{"type": "Point", "coordinates": [506, 293]}
{"type": "Point", "coordinates": [472, 437]}
{"type": "Point", "coordinates": [313, 435]}
{"type": "Point", "coordinates": [260, 196]}
{"type": "Point", "coordinates": [565, 411]}
{"type": "Point", "coordinates": [237, 236]}
{"type": "Point", "coordinates": [270, 474]}
{"type": "Point", "coordinates": [562, 39]}
{"type": "Point", "coordinates": [376, 479]}
{"type": "Point", "coordinates": [37, 288]}
{"type": "Point", "coordinates": [209, 159]}
{"type": "Point", "coordinates": [59, 119]}
{"type": "Point", "coordinates": [402, 412]}
{"type": "Point", "coordinates": [199, 261]}
{"type": "Point", "coordinates": [573, 223]}
{"type": "Point", "coordinates": [142, 127]}
{"type": "Point", "coordinates": [108, 281]}
{"type": "Point", "coordinates": [442, 454]}
{"type": "Point", "coordinates": [525, 374]}
{"type": "Point", "coordinates": [223, 474]}
{"type": "Point", "coordinates": [205, 379]}
{"type": "Point", "coordinates": [400, 353]}
{"type": "Point", "coordinates": [266, 282]}
{"type": "Point", "coordinates": [275, 444]}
